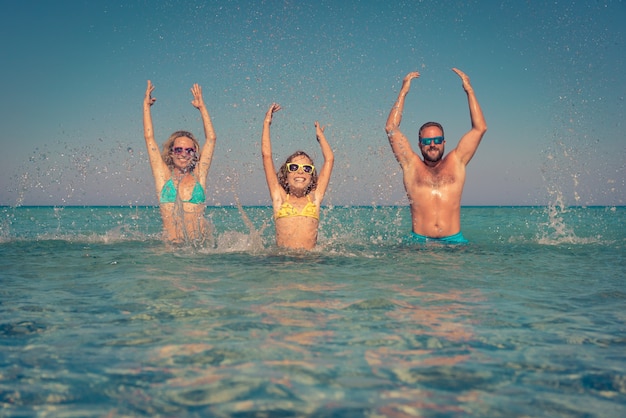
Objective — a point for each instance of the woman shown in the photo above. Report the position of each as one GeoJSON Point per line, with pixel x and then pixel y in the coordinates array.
{"type": "Point", "coordinates": [180, 173]}
{"type": "Point", "coordinates": [296, 190]}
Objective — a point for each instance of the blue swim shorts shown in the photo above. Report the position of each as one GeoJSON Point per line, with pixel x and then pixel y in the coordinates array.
{"type": "Point", "coordinates": [451, 239]}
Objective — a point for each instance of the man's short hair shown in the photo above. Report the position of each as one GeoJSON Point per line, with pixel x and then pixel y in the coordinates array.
{"type": "Point", "coordinates": [428, 125]}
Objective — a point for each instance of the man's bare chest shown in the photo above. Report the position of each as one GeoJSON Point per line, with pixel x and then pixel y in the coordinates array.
{"type": "Point", "coordinates": [435, 178]}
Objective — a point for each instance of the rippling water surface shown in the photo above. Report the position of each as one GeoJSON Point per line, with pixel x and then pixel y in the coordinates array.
{"type": "Point", "coordinates": [99, 318]}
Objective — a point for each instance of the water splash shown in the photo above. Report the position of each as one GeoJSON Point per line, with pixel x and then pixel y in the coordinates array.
{"type": "Point", "coordinates": [69, 175]}
{"type": "Point", "coordinates": [557, 229]}
{"type": "Point", "coordinates": [561, 172]}
{"type": "Point", "coordinates": [233, 241]}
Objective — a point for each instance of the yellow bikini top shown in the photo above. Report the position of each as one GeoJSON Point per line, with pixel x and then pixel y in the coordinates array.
{"type": "Point", "coordinates": [287, 210]}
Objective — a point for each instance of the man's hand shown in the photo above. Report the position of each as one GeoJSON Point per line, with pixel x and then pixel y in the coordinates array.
{"type": "Point", "coordinates": [406, 83]}
{"type": "Point", "coordinates": [466, 81]}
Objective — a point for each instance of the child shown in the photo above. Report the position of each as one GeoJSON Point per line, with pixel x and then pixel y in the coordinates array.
{"type": "Point", "coordinates": [296, 189]}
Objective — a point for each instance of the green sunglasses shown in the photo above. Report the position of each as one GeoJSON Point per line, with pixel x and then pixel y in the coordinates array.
{"type": "Point", "coordinates": [438, 140]}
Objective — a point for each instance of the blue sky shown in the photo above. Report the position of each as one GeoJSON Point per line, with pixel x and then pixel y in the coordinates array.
{"type": "Point", "coordinates": [549, 76]}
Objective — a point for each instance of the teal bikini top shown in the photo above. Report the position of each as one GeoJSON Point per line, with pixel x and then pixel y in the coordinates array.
{"type": "Point", "coordinates": [168, 193]}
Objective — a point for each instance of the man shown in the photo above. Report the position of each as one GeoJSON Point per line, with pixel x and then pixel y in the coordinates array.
{"type": "Point", "coordinates": [434, 185]}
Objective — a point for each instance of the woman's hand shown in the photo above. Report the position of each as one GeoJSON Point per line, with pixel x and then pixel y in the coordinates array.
{"type": "Point", "coordinates": [197, 101]}
{"type": "Point", "coordinates": [148, 99]}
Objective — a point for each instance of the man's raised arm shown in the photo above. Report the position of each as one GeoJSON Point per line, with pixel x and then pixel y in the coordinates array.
{"type": "Point", "coordinates": [399, 143]}
{"type": "Point", "coordinates": [470, 141]}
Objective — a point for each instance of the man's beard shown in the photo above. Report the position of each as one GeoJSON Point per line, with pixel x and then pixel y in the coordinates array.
{"type": "Point", "coordinates": [435, 159]}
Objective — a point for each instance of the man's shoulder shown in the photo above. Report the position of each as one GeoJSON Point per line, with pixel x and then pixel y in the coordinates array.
{"type": "Point", "coordinates": [451, 157]}
{"type": "Point", "coordinates": [413, 163]}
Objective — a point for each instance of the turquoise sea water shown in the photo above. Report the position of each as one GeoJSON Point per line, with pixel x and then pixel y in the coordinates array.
{"type": "Point", "coordinates": [99, 318]}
